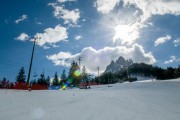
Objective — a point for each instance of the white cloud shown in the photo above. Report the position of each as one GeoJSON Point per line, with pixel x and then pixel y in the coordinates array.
{"type": "Point", "coordinates": [105, 6]}
{"type": "Point", "coordinates": [54, 45]}
{"type": "Point", "coordinates": [78, 37]}
{"type": "Point", "coordinates": [46, 47]}
{"type": "Point", "coordinates": [162, 40]}
{"type": "Point", "coordinates": [60, 58]}
{"type": "Point", "coordinates": [39, 23]}
{"type": "Point", "coordinates": [62, 1]}
{"type": "Point", "coordinates": [176, 42]}
{"type": "Point", "coordinates": [52, 35]}
{"type": "Point", "coordinates": [93, 58]}
{"type": "Point", "coordinates": [172, 59]}
{"type": "Point", "coordinates": [69, 16]}
{"type": "Point", "coordinates": [22, 18]}
{"type": "Point", "coordinates": [148, 7]}
{"type": "Point", "coordinates": [22, 37]}
{"type": "Point", "coordinates": [144, 9]}
{"type": "Point", "coordinates": [155, 7]}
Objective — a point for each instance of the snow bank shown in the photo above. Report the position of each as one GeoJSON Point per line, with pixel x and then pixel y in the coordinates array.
{"type": "Point", "coordinates": [157, 100]}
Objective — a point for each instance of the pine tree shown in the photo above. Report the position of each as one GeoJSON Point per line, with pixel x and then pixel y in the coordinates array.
{"type": "Point", "coordinates": [42, 79]}
{"type": "Point", "coordinates": [34, 81]}
{"type": "Point", "coordinates": [72, 69]}
{"type": "Point", "coordinates": [74, 73]}
{"type": "Point", "coordinates": [21, 75]}
{"type": "Point", "coordinates": [3, 82]}
{"type": "Point", "coordinates": [56, 80]}
{"type": "Point", "coordinates": [63, 77]}
{"type": "Point", "coordinates": [84, 74]}
{"type": "Point", "coordinates": [48, 80]}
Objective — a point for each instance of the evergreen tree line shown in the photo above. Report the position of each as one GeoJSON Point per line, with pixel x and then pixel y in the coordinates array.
{"type": "Point", "coordinates": [154, 71]}
{"type": "Point", "coordinates": [75, 76]}
{"type": "Point", "coordinates": [4, 83]}
{"type": "Point", "coordinates": [140, 69]}
{"type": "Point", "coordinates": [21, 77]}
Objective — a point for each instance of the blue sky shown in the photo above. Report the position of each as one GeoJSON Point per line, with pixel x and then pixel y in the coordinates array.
{"type": "Point", "coordinates": [97, 30]}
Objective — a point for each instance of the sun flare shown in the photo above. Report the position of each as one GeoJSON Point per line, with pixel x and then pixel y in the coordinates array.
{"type": "Point", "coordinates": [121, 31]}
{"type": "Point", "coordinates": [127, 34]}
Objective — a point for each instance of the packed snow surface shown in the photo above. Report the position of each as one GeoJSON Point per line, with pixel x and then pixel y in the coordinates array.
{"type": "Point", "coordinates": [151, 100]}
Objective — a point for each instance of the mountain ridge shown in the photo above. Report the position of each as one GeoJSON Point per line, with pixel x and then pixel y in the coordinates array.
{"type": "Point", "coordinates": [118, 65]}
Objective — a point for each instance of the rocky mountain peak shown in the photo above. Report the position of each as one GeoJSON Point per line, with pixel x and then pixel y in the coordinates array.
{"type": "Point", "coordinates": [121, 61]}
{"type": "Point", "coordinates": [118, 65]}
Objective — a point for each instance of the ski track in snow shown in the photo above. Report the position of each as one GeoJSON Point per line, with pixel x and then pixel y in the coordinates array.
{"type": "Point", "coordinates": [152, 100]}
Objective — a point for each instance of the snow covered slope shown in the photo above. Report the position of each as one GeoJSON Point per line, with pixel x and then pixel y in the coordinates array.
{"type": "Point", "coordinates": [157, 100]}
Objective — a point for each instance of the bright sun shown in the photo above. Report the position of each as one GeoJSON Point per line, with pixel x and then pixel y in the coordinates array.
{"type": "Point", "coordinates": [121, 31]}
{"type": "Point", "coordinates": [127, 34]}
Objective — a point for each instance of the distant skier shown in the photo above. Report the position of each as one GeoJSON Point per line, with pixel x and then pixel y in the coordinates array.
{"type": "Point", "coordinates": [29, 87]}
